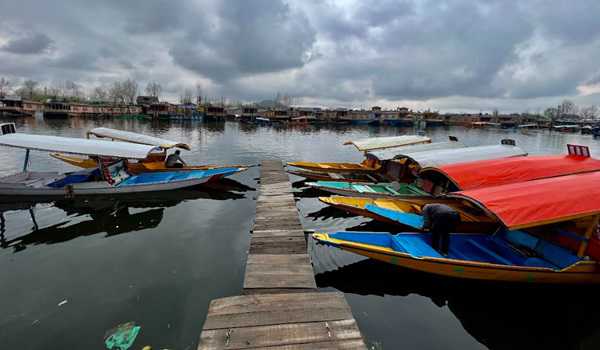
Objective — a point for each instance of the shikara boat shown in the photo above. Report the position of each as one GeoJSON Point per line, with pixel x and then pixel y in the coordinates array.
{"type": "Point", "coordinates": [368, 165]}
{"type": "Point", "coordinates": [548, 235]}
{"type": "Point", "coordinates": [407, 213]}
{"type": "Point", "coordinates": [466, 176]}
{"type": "Point", "coordinates": [375, 160]}
{"type": "Point", "coordinates": [109, 178]}
{"type": "Point", "coordinates": [154, 162]}
{"type": "Point", "coordinates": [405, 166]}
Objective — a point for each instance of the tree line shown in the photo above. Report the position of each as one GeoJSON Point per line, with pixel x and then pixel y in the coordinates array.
{"type": "Point", "coordinates": [117, 92]}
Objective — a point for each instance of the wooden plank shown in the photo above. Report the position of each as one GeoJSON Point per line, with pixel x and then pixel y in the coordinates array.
{"type": "Point", "coordinates": [265, 318]}
{"type": "Point", "coordinates": [261, 291]}
{"type": "Point", "coordinates": [285, 279]}
{"type": "Point", "coordinates": [278, 259]}
{"type": "Point", "coordinates": [242, 304]}
{"type": "Point", "coordinates": [277, 233]}
{"type": "Point", "coordinates": [277, 248]}
{"type": "Point", "coordinates": [279, 335]}
{"type": "Point", "coordinates": [353, 344]}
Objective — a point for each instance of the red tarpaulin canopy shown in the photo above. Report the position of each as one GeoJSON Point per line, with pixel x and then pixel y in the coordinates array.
{"type": "Point", "coordinates": [494, 172]}
{"type": "Point", "coordinates": [539, 202]}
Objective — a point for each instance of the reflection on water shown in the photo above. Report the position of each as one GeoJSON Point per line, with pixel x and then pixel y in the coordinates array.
{"type": "Point", "coordinates": [159, 260]}
{"type": "Point", "coordinates": [497, 316]}
{"type": "Point", "coordinates": [113, 217]}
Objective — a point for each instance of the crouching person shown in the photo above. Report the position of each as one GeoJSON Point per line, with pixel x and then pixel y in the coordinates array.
{"type": "Point", "coordinates": [440, 220]}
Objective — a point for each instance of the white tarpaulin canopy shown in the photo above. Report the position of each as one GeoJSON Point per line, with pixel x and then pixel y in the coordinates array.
{"type": "Point", "coordinates": [441, 157]}
{"type": "Point", "coordinates": [77, 146]}
{"type": "Point", "coordinates": [134, 137]}
{"type": "Point", "coordinates": [399, 152]}
{"type": "Point", "coordinates": [387, 142]}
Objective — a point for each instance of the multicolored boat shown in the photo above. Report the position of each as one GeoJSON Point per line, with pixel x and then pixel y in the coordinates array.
{"type": "Point", "coordinates": [369, 166]}
{"type": "Point", "coordinates": [407, 213]}
{"type": "Point", "coordinates": [549, 234]}
{"type": "Point", "coordinates": [379, 157]}
{"type": "Point", "coordinates": [155, 160]}
{"type": "Point", "coordinates": [110, 177]}
{"type": "Point", "coordinates": [447, 178]}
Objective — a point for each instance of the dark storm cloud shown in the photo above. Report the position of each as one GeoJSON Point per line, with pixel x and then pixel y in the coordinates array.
{"type": "Point", "coordinates": [34, 43]}
{"type": "Point", "coordinates": [331, 50]}
{"type": "Point", "coordinates": [252, 37]}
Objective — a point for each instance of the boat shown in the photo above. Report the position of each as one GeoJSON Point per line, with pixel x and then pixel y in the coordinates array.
{"type": "Point", "coordinates": [459, 177]}
{"type": "Point", "coordinates": [154, 162]}
{"type": "Point", "coordinates": [485, 125]}
{"type": "Point", "coordinates": [566, 128]}
{"type": "Point", "coordinates": [370, 190]}
{"type": "Point", "coordinates": [407, 213]}
{"type": "Point", "coordinates": [596, 131]}
{"type": "Point", "coordinates": [365, 145]}
{"type": "Point", "coordinates": [370, 166]}
{"type": "Point", "coordinates": [548, 234]}
{"type": "Point", "coordinates": [403, 168]}
{"type": "Point", "coordinates": [111, 177]}
{"type": "Point", "coordinates": [493, 172]}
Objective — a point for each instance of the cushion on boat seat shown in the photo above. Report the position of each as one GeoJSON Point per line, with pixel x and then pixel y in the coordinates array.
{"type": "Point", "coordinates": [74, 178]}
{"type": "Point", "coordinates": [408, 219]}
{"type": "Point", "coordinates": [537, 262]}
{"type": "Point", "coordinates": [415, 245]}
{"type": "Point", "coordinates": [553, 254]}
{"type": "Point", "coordinates": [491, 256]}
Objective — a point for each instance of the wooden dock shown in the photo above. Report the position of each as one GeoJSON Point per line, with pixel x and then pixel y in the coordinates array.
{"type": "Point", "coordinates": [280, 308]}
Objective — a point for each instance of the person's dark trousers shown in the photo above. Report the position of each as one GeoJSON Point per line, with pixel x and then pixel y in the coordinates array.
{"type": "Point", "coordinates": [177, 165]}
{"type": "Point", "coordinates": [442, 226]}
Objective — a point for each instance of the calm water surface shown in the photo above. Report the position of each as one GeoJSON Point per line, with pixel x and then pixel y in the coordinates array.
{"type": "Point", "coordinates": [70, 271]}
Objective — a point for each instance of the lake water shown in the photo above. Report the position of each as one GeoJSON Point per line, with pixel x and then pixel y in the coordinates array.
{"type": "Point", "coordinates": [71, 271]}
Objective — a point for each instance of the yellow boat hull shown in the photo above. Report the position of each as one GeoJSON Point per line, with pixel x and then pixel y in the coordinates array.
{"type": "Point", "coordinates": [139, 167]}
{"type": "Point", "coordinates": [336, 167]}
{"type": "Point", "coordinates": [583, 272]}
{"type": "Point", "coordinates": [357, 206]}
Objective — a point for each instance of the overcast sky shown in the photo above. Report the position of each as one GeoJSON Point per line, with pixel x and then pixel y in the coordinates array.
{"type": "Point", "coordinates": [447, 55]}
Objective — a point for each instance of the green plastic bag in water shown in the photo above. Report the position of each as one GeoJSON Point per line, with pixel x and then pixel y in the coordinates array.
{"type": "Point", "coordinates": [122, 336]}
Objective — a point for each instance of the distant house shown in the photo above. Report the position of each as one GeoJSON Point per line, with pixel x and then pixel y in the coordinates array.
{"type": "Point", "coordinates": [146, 100]}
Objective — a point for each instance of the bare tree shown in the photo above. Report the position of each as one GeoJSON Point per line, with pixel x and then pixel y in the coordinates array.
{"type": "Point", "coordinates": [99, 94]}
{"type": "Point", "coordinates": [29, 89]}
{"type": "Point", "coordinates": [153, 89]}
{"type": "Point", "coordinates": [590, 112]}
{"type": "Point", "coordinates": [198, 92]}
{"type": "Point", "coordinates": [115, 93]}
{"type": "Point", "coordinates": [567, 107]}
{"type": "Point", "coordinates": [4, 87]}
{"type": "Point", "coordinates": [130, 90]}
{"type": "Point", "coordinates": [73, 89]}
{"type": "Point", "coordinates": [186, 96]}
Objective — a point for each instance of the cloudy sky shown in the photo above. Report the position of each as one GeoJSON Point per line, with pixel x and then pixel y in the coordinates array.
{"type": "Point", "coordinates": [450, 55]}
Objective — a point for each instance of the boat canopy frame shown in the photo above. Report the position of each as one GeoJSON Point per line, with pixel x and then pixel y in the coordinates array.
{"type": "Point", "coordinates": [133, 137]}
{"type": "Point", "coordinates": [494, 172]}
{"type": "Point", "coordinates": [439, 157]}
{"type": "Point", "coordinates": [370, 144]}
{"type": "Point", "coordinates": [79, 146]}
{"type": "Point", "coordinates": [399, 151]}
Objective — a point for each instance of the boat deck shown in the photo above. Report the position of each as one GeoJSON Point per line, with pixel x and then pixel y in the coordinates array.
{"type": "Point", "coordinates": [280, 308]}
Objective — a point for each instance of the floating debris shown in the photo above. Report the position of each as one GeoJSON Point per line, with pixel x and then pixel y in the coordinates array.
{"type": "Point", "coordinates": [63, 302]}
{"type": "Point", "coordinates": [122, 336]}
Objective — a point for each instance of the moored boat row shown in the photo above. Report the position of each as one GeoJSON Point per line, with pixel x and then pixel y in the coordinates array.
{"type": "Point", "coordinates": [522, 218]}
{"type": "Point", "coordinates": [131, 163]}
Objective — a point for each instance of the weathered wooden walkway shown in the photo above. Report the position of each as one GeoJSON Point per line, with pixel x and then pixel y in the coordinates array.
{"type": "Point", "coordinates": [280, 308]}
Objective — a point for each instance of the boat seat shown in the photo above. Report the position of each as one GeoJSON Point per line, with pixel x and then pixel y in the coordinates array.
{"type": "Point", "coordinates": [489, 254]}
{"type": "Point", "coordinates": [551, 253]}
{"type": "Point", "coordinates": [363, 188]}
{"type": "Point", "coordinates": [75, 178]}
{"type": "Point", "coordinates": [415, 245]}
{"type": "Point", "coordinates": [408, 219]}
